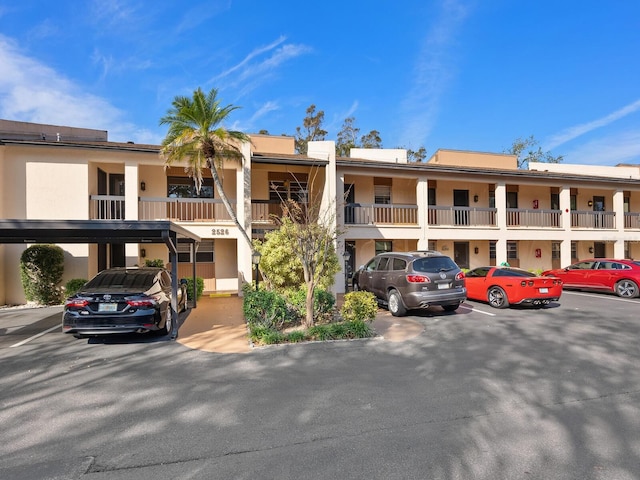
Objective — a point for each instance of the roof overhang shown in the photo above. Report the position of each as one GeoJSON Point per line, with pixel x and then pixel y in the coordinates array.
{"type": "Point", "coordinates": [94, 231]}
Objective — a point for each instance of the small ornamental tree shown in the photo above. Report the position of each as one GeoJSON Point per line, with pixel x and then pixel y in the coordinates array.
{"type": "Point", "coordinates": [307, 238]}
{"type": "Point", "coordinates": [41, 268]}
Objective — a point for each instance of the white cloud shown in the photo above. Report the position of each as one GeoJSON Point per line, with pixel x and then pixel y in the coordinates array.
{"type": "Point", "coordinates": [579, 130]}
{"type": "Point", "coordinates": [268, 107]}
{"type": "Point", "coordinates": [253, 70]}
{"type": "Point", "coordinates": [623, 147]}
{"type": "Point", "coordinates": [432, 73]}
{"type": "Point", "coordinates": [33, 92]}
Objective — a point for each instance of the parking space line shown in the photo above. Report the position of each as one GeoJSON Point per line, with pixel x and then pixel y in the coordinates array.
{"type": "Point", "coordinates": [601, 295]}
{"type": "Point", "coordinates": [27, 340]}
{"type": "Point", "coordinates": [476, 310]}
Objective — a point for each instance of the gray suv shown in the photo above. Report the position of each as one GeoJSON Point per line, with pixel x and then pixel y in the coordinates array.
{"type": "Point", "coordinates": [411, 280]}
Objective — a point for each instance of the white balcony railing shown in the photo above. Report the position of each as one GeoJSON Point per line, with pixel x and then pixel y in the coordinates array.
{"type": "Point", "coordinates": [519, 217]}
{"type": "Point", "coordinates": [183, 209]}
{"type": "Point", "coordinates": [462, 216]}
{"type": "Point", "coordinates": [106, 207]}
{"type": "Point", "coordinates": [589, 219]}
{"type": "Point", "coordinates": [112, 207]}
{"type": "Point", "coordinates": [632, 220]}
{"type": "Point", "coordinates": [380, 214]}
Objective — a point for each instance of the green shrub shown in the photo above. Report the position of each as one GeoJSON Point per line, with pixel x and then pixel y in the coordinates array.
{"type": "Point", "coordinates": [359, 306]}
{"type": "Point", "coordinates": [320, 332]}
{"type": "Point", "coordinates": [323, 302]}
{"type": "Point", "coordinates": [358, 329]}
{"type": "Point", "coordinates": [296, 336]}
{"type": "Point", "coordinates": [41, 269]}
{"type": "Point", "coordinates": [73, 285]}
{"type": "Point", "coordinates": [199, 287]}
{"type": "Point", "coordinates": [156, 262]}
{"type": "Point", "coordinates": [266, 308]}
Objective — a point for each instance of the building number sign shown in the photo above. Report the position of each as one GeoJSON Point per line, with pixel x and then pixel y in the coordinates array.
{"type": "Point", "coordinates": [219, 231]}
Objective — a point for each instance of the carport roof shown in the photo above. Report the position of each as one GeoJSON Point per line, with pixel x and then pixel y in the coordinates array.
{"type": "Point", "coordinates": [94, 231]}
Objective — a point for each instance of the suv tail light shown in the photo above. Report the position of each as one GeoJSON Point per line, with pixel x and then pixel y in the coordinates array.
{"type": "Point", "coordinates": [460, 276]}
{"type": "Point", "coordinates": [414, 278]}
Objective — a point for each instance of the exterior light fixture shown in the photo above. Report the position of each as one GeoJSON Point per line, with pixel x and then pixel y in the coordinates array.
{"type": "Point", "coordinates": [255, 259]}
{"type": "Point", "coordinates": [143, 186]}
{"type": "Point", "coordinates": [347, 256]}
{"type": "Point", "coordinates": [475, 199]}
{"type": "Point", "coordinates": [590, 249]}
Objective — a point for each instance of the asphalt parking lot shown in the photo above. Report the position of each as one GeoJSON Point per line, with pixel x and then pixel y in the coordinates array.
{"type": "Point", "coordinates": [479, 393]}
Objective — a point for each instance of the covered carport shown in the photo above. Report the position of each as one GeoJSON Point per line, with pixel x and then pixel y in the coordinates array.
{"type": "Point", "coordinates": [108, 231]}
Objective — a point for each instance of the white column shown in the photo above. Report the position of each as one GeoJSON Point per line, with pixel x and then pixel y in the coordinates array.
{"type": "Point", "coordinates": [565, 245]}
{"type": "Point", "coordinates": [131, 185]}
{"type": "Point", "coordinates": [618, 208]}
{"type": "Point", "coordinates": [501, 208]}
{"type": "Point", "coordinates": [243, 211]}
{"type": "Point", "coordinates": [422, 198]}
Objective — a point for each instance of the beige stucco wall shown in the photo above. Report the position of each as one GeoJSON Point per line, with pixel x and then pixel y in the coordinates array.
{"type": "Point", "coordinates": [623, 171]}
{"type": "Point", "coordinates": [474, 159]}
{"type": "Point", "coordinates": [390, 155]}
{"type": "Point", "coordinates": [272, 144]}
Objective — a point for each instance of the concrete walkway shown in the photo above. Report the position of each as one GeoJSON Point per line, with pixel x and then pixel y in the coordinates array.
{"type": "Point", "coordinates": [218, 325]}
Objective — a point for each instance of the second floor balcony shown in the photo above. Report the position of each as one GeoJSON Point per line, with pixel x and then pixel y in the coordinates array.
{"type": "Point", "coordinates": [112, 207]}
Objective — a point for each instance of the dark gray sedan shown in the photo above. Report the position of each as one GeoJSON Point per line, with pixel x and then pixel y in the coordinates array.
{"type": "Point", "coordinates": [123, 300]}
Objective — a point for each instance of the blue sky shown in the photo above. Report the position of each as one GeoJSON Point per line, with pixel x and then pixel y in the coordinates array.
{"type": "Point", "coordinates": [454, 74]}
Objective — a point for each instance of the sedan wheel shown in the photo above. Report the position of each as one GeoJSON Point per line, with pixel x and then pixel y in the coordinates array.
{"type": "Point", "coordinates": [167, 324]}
{"type": "Point", "coordinates": [497, 298]}
{"type": "Point", "coordinates": [395, 304]}
{"type": "Point", "coordinates": [627, 289]}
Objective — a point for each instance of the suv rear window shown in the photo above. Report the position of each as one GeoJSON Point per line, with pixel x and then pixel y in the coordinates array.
{"type": "Point", "coordinates": [123, 279]}
{"type": "Point", "coordinates": [434, 264]}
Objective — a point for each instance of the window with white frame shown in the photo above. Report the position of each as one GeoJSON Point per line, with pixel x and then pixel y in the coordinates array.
{"type": "Point", "coordinates": [512, 250]}
{"type": "Point", "coordinates": [555, 250]}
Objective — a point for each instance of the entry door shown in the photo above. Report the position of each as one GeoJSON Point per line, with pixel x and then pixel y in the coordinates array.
{"type": "Point", "coordinates": [461, 254]}
{"type": "Point", "coordinates": [349, 199]}
{"type": "Point", "coordinates": [461, 199]}
{"type": "Point", "coordinates": [599, 250]}
{"type": "Point", "coordinates": [598, 206]}
{"type": "Point", "coordinates": [350, 247]}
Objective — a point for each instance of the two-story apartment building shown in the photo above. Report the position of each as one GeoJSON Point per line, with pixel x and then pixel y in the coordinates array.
{"type": "Point", "coordinates": [479, 208]}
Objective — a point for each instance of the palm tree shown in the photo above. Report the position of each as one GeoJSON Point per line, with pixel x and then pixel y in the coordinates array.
{"type": "Point", "coordinates": [197, 136]}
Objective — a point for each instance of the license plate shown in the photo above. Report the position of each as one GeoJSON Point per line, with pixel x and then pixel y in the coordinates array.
{"type": "Point", "coordinates": [544, 290]}
{"type": "Point", "coordinates": [108, 307]}
{"type": "Point", "coordinates": [442, 286]}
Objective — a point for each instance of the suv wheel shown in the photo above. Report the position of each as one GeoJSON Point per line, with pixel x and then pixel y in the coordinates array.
{"type": "Point", "coordinates": [396, 307]}
{"type": "Point", "coordinates": [451, 308]}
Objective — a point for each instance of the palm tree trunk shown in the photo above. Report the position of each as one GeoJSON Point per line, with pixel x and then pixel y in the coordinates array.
{"type": "Point", "coordinates": [225, 201]}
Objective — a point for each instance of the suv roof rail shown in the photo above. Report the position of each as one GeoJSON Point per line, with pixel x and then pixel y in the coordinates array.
{"type": "Point", "coordinates": [425, 252]}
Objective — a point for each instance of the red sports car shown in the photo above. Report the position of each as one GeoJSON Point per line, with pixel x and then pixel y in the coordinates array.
{"type": "Point", "coordinates": [504, 286]}
{"type": "Point", "coordinates": [621, 277]}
